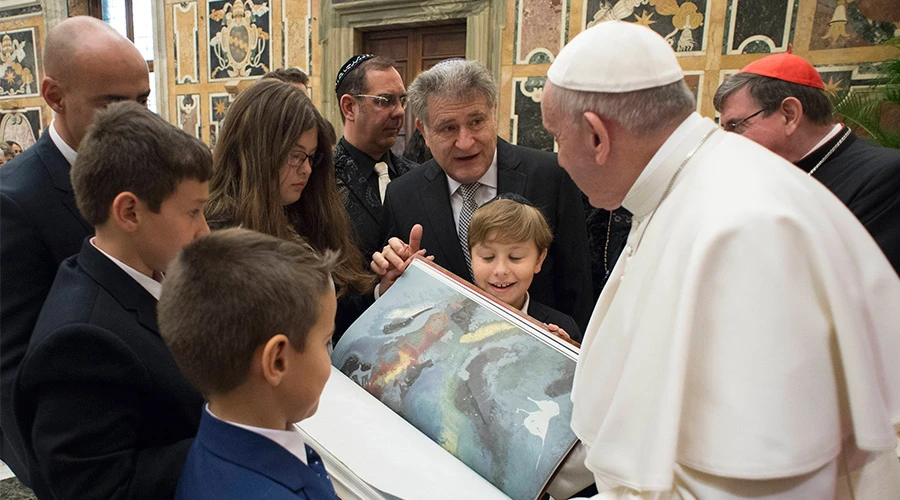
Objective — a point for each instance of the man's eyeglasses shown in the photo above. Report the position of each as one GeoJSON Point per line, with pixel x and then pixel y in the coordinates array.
{"type": "Point", "coordinates": [737, 126]}
{"type": "Point", "coordinates": [297, 158]}
{"type": "Point", "coordinates": [385, 101]}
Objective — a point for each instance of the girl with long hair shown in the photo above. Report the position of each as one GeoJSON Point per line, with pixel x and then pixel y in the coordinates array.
{"type": "Point", "coordinates": [274, 173]}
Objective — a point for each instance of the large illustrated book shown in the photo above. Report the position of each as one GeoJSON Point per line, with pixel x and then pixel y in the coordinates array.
{"type": "Point", "coordinates": [439, 391]}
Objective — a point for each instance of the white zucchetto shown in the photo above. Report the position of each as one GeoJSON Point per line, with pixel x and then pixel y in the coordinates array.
{"type": "Point", "coordinates": [615, 56]}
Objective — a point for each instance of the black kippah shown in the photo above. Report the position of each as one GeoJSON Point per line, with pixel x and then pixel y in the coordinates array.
{"type": "Point", "coordinates": [349, 66]}
{"type": "Point", "coordinates": [512, 197]}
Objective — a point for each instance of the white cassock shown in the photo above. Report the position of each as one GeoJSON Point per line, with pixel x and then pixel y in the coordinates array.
{"type": "Point", "coordinates": [747, 341]}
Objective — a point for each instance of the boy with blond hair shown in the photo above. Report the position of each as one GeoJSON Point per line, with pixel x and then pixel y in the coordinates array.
{"type": "Point", "coordinates": [508, 240]}
{"type": "Point", "coordinates": [249, 318]}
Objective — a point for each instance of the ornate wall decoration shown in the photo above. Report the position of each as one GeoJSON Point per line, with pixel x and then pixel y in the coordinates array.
{"type": "Point", "coordinates": [526, 125]}
{"type": "Point", "coordinates": [843, 23]}
{"type": "Point", "coordinates": [759, 26]}
{"type": "Point", "coordinates": [682, 23]}
{"type": "Point", "coordinates": [22, 126]}
{"type": "Point", "coordinates": [187, 59]}
{"type": "Point", "coordinates": [841, 79]}
{"type": "Point", "coordinates": [18, 64]}
{"type": "Point", "coordinates": [541, 30]}
{"type": "Point", "coordinates": [239, 39]}
{"type": "Point", "coordinates": [189, 114]}
{"type": "Point", "coordinates": [218, 106]}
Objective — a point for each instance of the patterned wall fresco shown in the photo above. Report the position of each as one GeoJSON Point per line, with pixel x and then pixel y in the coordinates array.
{"type": "Point", "coordinates": [186, 60]}
{"type": "Point", "coordinates": [713, 39]}
{"type": "Point", "coordinates": [214, 47]}
{"type": "Point", "coordinates": [189, 113]}
{"type": "Point", "coordinates": [22, 126]}
{"type": "Point", "coordinates": [238, 39]}
{"type": "Point", "coordinates": [681, 23]}
{"type": "Point", "coordinates": [23, 113]}
{"type": "Point", "coordinates": [217, 43]}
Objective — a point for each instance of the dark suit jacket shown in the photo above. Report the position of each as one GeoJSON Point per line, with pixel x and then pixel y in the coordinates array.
{"type": "Point", "coordinates": [103, 410]}
{"type": "Point", "coordinates": [422, 197]}
{"type": "Point", "coordinates": [227, 462]}
{"type": "Point", "coordinates": [40, 226]}
{"type": "Point", "coordinates": [867, 179]}
{"type": "Point", "coordinates": [359, 189]}
{"type": "Point", "coordinates": [546, 314]}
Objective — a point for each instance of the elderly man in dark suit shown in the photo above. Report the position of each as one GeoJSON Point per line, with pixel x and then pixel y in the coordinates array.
{"type": "Point", "coordinates": [455, 106]}
{"type": "Point", "coordinates": [87, 65]}
{"type": "Point", "coordinates": [371, 95]}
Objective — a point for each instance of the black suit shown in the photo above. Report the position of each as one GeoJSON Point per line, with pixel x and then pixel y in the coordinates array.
{"type": "Point", "coordinates": [40, 226]}
{"type": "Point", "coordinates": [103, 410]}
{"type": "Point", "coordinates": [422, 197]}
{"type": "Point", "coordinates": [358, 184]}
{"type": "Point", "coordinates": [546, 314]}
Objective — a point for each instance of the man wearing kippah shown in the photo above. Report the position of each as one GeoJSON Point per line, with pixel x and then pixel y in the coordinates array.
{"type": "Point", "coordinates": [372, 98]}
{"type": "Point", "coordinates": [779, 101]}
{"type": "Point", "coordinates": [746, 343]}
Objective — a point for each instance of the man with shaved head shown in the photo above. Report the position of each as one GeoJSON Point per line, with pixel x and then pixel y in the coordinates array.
{"type": "Point", "coordinates": [87, 65]}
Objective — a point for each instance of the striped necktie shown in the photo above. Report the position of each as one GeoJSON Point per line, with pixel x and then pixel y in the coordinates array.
{"type": "Point", "coordinates": [465, 216]}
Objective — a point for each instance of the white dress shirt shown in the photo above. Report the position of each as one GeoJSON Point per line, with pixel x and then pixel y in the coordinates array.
{"type": "Point", "coordinates": [151, 285]}
{"type": "Point", "coordinates": [484, 193]}
{"type": "Point", "coordinates": [67, 151]}
{"type": "Point", "coordinates": [291, 440]}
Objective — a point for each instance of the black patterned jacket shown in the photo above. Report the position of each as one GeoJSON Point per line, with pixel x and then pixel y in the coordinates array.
{"type": "Point", "coordinates": [358, 186]}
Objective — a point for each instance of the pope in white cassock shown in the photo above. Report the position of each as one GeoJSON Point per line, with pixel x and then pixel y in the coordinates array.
{"type": "Point", "coordinates": [746, 345]}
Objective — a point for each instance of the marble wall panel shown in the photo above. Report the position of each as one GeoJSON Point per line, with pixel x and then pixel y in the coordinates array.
{"type": "Point", "coordinates": [218, 106]}
{"type": "Point", "coordinates": [23, 125]}
{"type": "Point", "coordinates": [185, 30]}
{"type": "Point", "coordinates": [238, 39]}
{"type": "Point", "coordinates": [541, 30]}
{"type": "Point", "coordinates": [18, 64]}
{"type": "Point", "coordinates": [682, 23]}
{"type": "Point", "coordinates": [840, 24]}
{"type": "Point", "coordinates": [759, 26]}
{"type": "Point", "coordinates": [841, 79]}
{"type": "Point", "coordinates": [694, 80]}
{"type": "Point", "coordinates": [526, 125]}
{"type": "Point", "coordinates": [296, 25]}
{"type": "Point", "coordinates": [189, 114]}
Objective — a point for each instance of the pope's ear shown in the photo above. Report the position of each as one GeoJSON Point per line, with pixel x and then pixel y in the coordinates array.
{"type": "Point", "coordinates": [599, 140]}
{"type": "Point", "coordinates": [792, 111]}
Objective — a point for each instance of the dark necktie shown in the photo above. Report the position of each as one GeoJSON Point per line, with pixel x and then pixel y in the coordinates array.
{"type": "Point", "coordinates": [314, 461]}
{"type": "Point", "coordinates": [465, 216]}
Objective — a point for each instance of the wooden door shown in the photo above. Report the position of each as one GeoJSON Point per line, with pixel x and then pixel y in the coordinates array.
{"type": "Point", "coordinates": [415, 50]}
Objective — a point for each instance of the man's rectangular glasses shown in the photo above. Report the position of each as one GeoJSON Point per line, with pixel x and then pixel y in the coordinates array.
{"type": "Point", "coordinates": [385, 101]}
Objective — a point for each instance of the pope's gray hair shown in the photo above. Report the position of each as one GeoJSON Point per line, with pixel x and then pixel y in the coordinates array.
{"type": "Point", "coordinates": [641, 112]}
{"type": "Point", "coordinates": [456, 80]}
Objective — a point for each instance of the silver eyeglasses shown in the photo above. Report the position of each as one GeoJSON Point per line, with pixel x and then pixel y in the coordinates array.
{"type": "Point", "coordinates": [385, 101]}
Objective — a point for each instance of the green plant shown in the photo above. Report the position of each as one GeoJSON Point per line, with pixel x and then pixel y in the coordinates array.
{"type": "Point", "coordinates": [875, 111]}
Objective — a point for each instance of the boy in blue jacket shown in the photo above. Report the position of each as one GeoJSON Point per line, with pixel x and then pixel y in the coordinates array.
{"type": "Point", "coordinates": [248, 318]}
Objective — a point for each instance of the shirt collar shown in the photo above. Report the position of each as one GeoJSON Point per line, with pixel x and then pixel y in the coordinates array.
{"type": "Point", "coordinates": [68, 153]}
{"type": "Point", "coordinates": [291, 440]}
{"type": "Point", "coordinates": [525, 305]}
{"type": "Point", "coordinates": [831, 133]}
{"type": "Point", "coordinates": [648, 189]}
{"type": "Point", "coordinates": [489, 178]}
{"type": "Point", "coordinates": [363, 161]}
{"type": "Point", "coordinates": [152, 286]}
